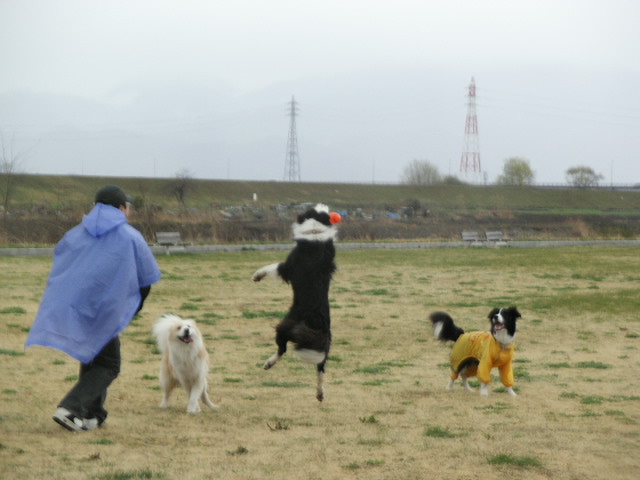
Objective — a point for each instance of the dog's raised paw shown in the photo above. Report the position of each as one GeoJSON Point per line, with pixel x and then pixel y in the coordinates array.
{"type": "Point", "coordinates": [271, 361]}
{"type": "Point", "coordinates": [268, 364]}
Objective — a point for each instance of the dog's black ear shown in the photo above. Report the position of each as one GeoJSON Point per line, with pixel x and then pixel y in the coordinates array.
{"type": "Point", "coordinates": [515, 312]}
{"type": "Point", "coordinates": [321, 217]}
{"type": "Point", "coordinates": [493, 312]}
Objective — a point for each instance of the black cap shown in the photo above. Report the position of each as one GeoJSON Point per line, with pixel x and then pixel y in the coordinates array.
{"type": "Point", "coordinates": [112, 195]}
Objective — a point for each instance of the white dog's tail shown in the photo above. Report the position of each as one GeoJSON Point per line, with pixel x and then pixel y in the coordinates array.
{"type": "Point", "coordinates": [162, 328]}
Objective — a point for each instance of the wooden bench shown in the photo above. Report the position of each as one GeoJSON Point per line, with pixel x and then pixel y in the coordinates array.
{"type": "Point", "coordinates": [471, 238]}
{"type": "Point", "coordinates": [169, 239]}
{"type": "Point", "coordinates": [495, 238]}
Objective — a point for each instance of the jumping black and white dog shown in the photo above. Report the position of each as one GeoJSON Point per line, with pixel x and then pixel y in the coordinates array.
{"type": "Point", "coordinates": [309, 268]}
{"type": "Point", "coordinates": [477, 353]}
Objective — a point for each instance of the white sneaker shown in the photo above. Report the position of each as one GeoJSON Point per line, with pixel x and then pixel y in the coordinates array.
{"type": "Point", "coordinates": [68, 420]}
{"type": "Point", "coordinates": [90, 423]}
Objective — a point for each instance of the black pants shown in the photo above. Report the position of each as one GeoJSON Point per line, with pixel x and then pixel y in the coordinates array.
{"type": "Point", "coordinates": [86, 399]}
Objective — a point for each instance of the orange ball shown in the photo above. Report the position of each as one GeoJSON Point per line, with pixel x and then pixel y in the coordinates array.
{"type": "Point", "coordinates": [335, 217]}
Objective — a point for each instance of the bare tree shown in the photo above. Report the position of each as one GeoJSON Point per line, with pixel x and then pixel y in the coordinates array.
{"type": "Point", "coordinates": [10, 160]}
{"type": "Point", "coordinates": [182, 184]}
{"type": "Point", "coordinates": [420, 172]}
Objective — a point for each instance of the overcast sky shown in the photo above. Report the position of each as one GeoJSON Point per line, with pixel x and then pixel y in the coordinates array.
{"type": "Point", "coordinates": [152, 88]}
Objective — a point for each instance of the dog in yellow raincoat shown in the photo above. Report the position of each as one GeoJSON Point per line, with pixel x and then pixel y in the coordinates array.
{"type": "Point", "coordinates": [477, 353]}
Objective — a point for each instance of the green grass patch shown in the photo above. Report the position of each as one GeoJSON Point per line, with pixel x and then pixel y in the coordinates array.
{"type": "Point", "coordinates": [101, 441]}
{"type": "Point", "coordinates": [377, 382]}
{"type": "Point", "coordinates": [373, 442]}
{"type": "Point", "coordinates": [210, 318]}
{"type": "Point", "coordinates": [262, 314]}
{"type": "Point", "coordinates": [279, 424]}
{"type": "Point", "coordinates": [376, 291]}
{"type": "Point", "coordinates": [581, 276]}
{"type": "Point", "coordinates": [232, 380]}
{"type": "Point", "coordinates": [559, 365]}
{"type": "Point", "coordinates": [589, 364]}
{"type": "Point", "coordinates": [590, 413]}
{"type": "Point", "coordinates": [373, 369]}
{"type": "Point", "coordinates": [592, 364]}
{"type": "Point", "coordinates": [592, 400]}
{"type": "Point", "coordinates": [497, 407]}
{"type": "Point", "coordinates": [275, 384]}
{"type": "Point", "coordinates": [238, 451]}
{"type": "Point", "coordinates": [382, 367]}
{"type": "Point", "coordinates": [598, 399]}
{"type": "Point", "coordinates": [439, 432]}
{"type": "Point", "coordinates": [13, 310]}
{"type": "Point", "coordinates": [569, 395]}
{"type": "Point", "coordinates": [11, 353]}
{"type": "Point", "coordinates": [131, 475]}
{"type": "Point", "coordinates": [625, 398]}
{"type": "Point", "coordinates": [398, 364]}
{"type": "Point", "coordinates": [615, 413]}
{"type": "Point", "coordinates": [506, 459]}
{"type": "Point", "coordinates": [189, 307]}
{"type": "Point", "coordinates": [371, 419]}
{"type": "Point", "coordinates": [521, 373]}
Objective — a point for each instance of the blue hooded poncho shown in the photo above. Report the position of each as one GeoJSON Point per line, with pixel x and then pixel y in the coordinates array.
{"type": "Point", "coordinates": [93, 290]}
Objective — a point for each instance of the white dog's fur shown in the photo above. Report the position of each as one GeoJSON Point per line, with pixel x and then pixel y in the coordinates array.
{"type": "Point", "coordinates": [185, 360]}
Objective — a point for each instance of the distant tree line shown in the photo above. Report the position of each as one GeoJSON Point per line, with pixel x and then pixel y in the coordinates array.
{"type": "Point", "coordinates": [516, 171]}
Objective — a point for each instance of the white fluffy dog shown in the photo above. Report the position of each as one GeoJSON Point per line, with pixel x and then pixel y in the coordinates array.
{"type": "Point", "coordinates": [185, 360]}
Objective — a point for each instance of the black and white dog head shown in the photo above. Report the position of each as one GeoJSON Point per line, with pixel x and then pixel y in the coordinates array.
{"type": "Point", "coordinates": [316, 224]}
{"type": "Point", "coordinates": [504, 324]}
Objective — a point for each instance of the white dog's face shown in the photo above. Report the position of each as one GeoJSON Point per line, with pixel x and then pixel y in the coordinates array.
{"type": "Point", "coordinates": [185, 331]}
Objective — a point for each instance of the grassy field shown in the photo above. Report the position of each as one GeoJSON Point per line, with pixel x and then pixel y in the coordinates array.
{"type": "Point", "coordinates": [386, 413]}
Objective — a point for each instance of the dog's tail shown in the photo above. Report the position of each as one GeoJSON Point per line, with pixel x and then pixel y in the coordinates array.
{"type": "Point", "coordinates": [161, 330]}
{"type": "Point", "coordinates": [443, 327]}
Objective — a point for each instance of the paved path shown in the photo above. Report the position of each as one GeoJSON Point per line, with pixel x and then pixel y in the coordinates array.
{"type": "Point", "coordinates": [158, 250]}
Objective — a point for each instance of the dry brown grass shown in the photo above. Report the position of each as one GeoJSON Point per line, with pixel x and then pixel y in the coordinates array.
{"type": "Point", "coordinates": [386, 413]}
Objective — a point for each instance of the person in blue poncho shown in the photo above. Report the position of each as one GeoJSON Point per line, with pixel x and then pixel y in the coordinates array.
{"type": "Point", "coordinates": [102, 272]}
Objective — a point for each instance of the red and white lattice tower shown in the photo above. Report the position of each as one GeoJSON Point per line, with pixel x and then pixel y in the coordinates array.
{"type": "Point", "coordinates": [470, 159]}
